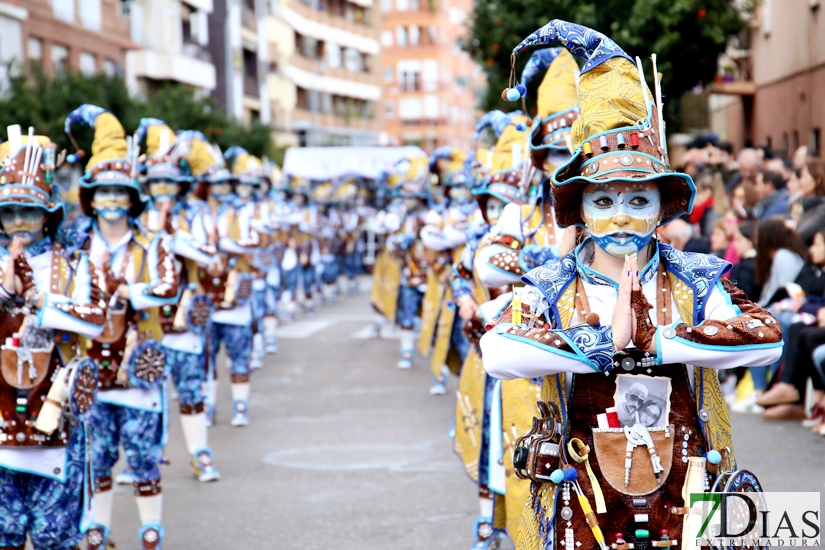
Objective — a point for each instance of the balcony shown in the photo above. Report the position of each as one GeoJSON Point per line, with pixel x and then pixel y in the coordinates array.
{"type": "Point", "coordinates": [304, 118]}
{"type": "Point", "coordinates": [175, 67]}
{"type": "Point", "coordinates": [250, 86]}
{"type": "Point", "coordinates": [735, 75]}
{"type": "Point", "coordinates": [337, 22]}
{"type": "Point", "coordinates": [312, 66]}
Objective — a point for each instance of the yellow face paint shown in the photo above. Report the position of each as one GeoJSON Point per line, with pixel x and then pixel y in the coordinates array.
{"type": "Point", "coordinates": [622, 216]}
{"type": "Point", "coordinates": [26, 222]}
{"type": "Point", "coordinates": [111, 202]}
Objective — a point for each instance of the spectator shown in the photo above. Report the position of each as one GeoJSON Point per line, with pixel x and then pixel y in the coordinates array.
{"type": "Point", "coordinates": [711, 201]}
{"type": "Point", "coordinates": [743, 273]}
{"type": "Point", "coordinates": [773, 196]}
{"type": "Point", "coordinates": [800, 156]}
{"type": "Point", "coordinates": [805, 334]}
{"type": "Point", "coordinates": [679, 234]}
{"type": "Point", "coordinates": [811, 203]}
{"type": "Point", "coordinates": [731, 224]}
{"type": "Point", "coordinates": [780, 256]}
{"type": "Point", "coordinates": [748, 168]}
{"type": "Point", "coordinates": [719, 240]}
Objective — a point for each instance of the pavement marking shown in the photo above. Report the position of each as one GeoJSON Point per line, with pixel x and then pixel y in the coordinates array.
{"type": "Point", "coordinates": [421, 457]}
{"type": "Point", "coordinates": [387, 333]}
{"type": "Point", "coordinates": [304, 329]}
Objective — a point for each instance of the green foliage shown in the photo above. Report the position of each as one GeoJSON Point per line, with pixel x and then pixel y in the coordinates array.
{"type": "Point", "coordinates": [686, 35]}
{"type": "Point", "coordinates": [34, 99]}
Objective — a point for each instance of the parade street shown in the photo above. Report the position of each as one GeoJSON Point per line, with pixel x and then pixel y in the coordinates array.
{"type": "Point", "coordinates": [346, 451]}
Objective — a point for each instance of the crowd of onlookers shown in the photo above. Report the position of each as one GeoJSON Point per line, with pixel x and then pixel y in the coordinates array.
{"type": "Point", "coordinates": [765, 213]}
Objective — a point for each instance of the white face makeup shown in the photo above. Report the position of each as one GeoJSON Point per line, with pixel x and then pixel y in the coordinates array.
{"type": "Point", "coordinates": [622, 216]}
{"type": "Point", "coordinates": [493, 211]}
{"type": "Point", "coordinates": [460, 195]}
{"type": "Point", "coordinates": [163, 190]}
{"type": "Point", "coordinates": [244, 190]}
{"type": "Point", "coordinates": [26, 222]}
{"type": "Point", "coordinates": [221, 191]}
{"type": "Point", "coordinates": [111, 202]}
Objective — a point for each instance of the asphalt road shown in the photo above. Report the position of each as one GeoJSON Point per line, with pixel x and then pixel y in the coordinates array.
{"type": "Point", "coordinates": [345, 451]}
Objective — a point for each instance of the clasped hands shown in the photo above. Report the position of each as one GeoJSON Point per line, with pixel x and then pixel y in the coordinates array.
{"type": "Point", "coordinates": [14, 284]}
{"type": "Point", "coordinates": [631, 322]}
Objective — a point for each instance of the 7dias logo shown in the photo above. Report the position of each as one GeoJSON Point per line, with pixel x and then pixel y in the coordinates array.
{"type": "Point", "coordinates": [753, 519]}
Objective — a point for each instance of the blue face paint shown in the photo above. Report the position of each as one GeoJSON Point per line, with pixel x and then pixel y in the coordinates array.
{"type": "Point", "coordinates": [621, 216]}
{"type": "Point", "coordinates": [494, 209]}
{"type": "Point", "coordinates": [111, 202]}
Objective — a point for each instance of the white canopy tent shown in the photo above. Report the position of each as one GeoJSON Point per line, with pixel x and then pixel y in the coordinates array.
{"type": "Point", "coordinates": [323, 163]}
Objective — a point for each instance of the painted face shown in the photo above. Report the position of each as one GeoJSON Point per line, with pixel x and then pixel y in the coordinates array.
{"type": "Point", "coordinates": [163, 190]}
{"type": "Point", "coordinates": [244, 191]}
{"type": "Point", "coordinates": [111, 202]}
{"type": "Point", "coordinates": [220, 191]}
{"type": "Point", "coordinates": [622, 216]}
{"type": "Point", "coordinates": [493, 211]}
{"type": "Point", "coordinates": [26, 222]}
{"type": "Point", "coordinates": [299, 199]}
{"type": "Point", "coordinates": [460, 195]}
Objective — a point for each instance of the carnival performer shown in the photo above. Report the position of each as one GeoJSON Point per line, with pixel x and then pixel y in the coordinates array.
{"type": "Point", "coordinates": [584, 324]}
{"type": "Point", "coordinates": [402, 223]}
{"type": "Point", "coordinates": [328, 241]}
{"type": "Point", "coordinates": [51, 307]}
{"type": "Point", "coordinates": [226, 281]}
{"type": "Point", "coordinates": [137, 273]}
{"type": "Point", "coordinates": [270, 253]}
{"type": "Point", "coordinates": [350, 232]}
{"type": "Point", "coordinates": [527, 236]}
{"type": "Point", "coordinates": [304, 241]}
{"type": "Point", "coordinates": [247, 168]}
{"type": "Point", "coordinates": [167, 180]}
{"type": "Point", "coordinates": [444, 235]}
{"type": "Point", "coordinates": [476, 395]}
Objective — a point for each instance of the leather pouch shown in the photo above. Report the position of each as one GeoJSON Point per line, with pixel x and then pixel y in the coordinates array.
{"type": "Point", "coordinates": [610, 448]}
{"type": "Point", "coordinates": [25, 368]}
{"type": "Point", "coordinates": [115, 325]}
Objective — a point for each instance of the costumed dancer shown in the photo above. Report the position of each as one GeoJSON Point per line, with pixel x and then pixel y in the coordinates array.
{"type": "Point", "coordinates": [137, 274]}
{"type": "Point", "coordinates": [476, 396]}
{"type": "Point", "coordinates": [349, 233]}
{"type": "Point", "coordinates": [304, 243]}
{"type": "Point", "coordinates": [167, 180]}
{"type": "Point", "coordinates": [226, 281]}
{"type": "Point", "coordinates": [402, 223]}
{"type": "Point", "coordinates": [51, 307]}
{"type": "Point", "coordinates": [444, 236]}
{"type": "Point", "coordinates": [270, 253]}
{"type": "Point", "coordinates": [328, 243]}
{"type": "Point", "coordinates": [386, 275]}
{"type": "Point", "coordinates": [247, 168]}
{"type": "Point", "coordinates": [633, 418]}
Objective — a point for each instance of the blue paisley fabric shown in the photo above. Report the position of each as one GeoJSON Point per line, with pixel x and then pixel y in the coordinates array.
{"type": "Point", "coordinates": [188, 372]}
{"type": "Point", "coordinates": [538, 63]}
{"type": "Point", "coordinates": [592, 46]}
{"type": "Point", "coordinates": [699, 271]}
{"type": "Point", "coordinates": [238, 342]}
{"type": "Point", "coordinates": [596, 343]}
{"type": "Point", "coordinates": [48, 510]}
{"type": "Point", "coordinates": [533, 256]}
{"type": "Point", "coordinates": [409, 302]}
{"type": "Point", "coordinates": [141, 434]}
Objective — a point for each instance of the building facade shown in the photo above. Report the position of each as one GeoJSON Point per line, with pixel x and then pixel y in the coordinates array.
{"type": "Point", "coordinates": [429, 82]}
{"type": "Point", "coordinates": [87, 35]}
{"type": "Point", "coordinates": [324, 72]}
{"type": "Point", "coordinates": [767, 92]}
{"type": "Point", "coordinates": [173, 37]}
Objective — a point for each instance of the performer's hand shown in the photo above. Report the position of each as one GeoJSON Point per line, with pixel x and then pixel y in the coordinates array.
{"type": "Point", "coordinates": [623, 322]}
{"type": "Point", "coordinates": [820, 316]}
{"type": "Point", "coordinates": [9, 277]}
{"type": "Point", "coordinates": [468, 309]}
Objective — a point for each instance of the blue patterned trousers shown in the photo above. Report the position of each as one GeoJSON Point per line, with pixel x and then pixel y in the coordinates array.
{"type": "Point", "coordinates": [48, 510]}
{"type": "Point", "coordinates": [237, 340]}
{"type": "Point", "coordinates": [330, 272]}
{"type": "Point", "coordinates": [188, 373]}
{"type": "Point", "coordinates": [352, 264]}
{"type": "Point", "coordinates": [140, 432]}
{"type": "Point", "coordinates": [409, 302]}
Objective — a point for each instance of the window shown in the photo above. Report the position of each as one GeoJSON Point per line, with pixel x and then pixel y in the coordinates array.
{"type": "Point", "coordinates": [60, 57]}
{"type": "Point", "coordinates": [432, 34]}
{"type": "Point", "coordinates": [430, 75]}
{"type": "Point", "coordinates": [333, 54]}
{"type": "Point", "coordinates": [388, 76]}
{"type": "Point", "coordinates": [431, 107]}
{"type": "Point", "coordinates": [386, 38]}
{"type": "Point", "coordinates": [34, 48]}
{"type": "Point", "coordinates": [785, 142]}
{"type": "Point", "coordinates": [353, 60]}
{"type": "Point", "coordinates": [88, 63]}
{"type": "Point", "coordinates": [386, 5]}
{"type": "Point", "coordinates": [389, 109]}
{"type": "Point", "coordinates": [401, 36]}
{"type": "Point", "coordinates": [301, 98]}
{"type": "Point", "coordinates": [90, 14]}
{"type": "Point", "coordinates": [410, 108]}
{"type": "Point", "coordinates": [111, 67]}
{"type": "Point", "coordinates": [815, 136]}
{"type": "Point", "coordinates": [414, 35]}
{"type": "Point", "coordinates": [402, 5]}
{"type": "Point", "coordinates": [795, 140]}
{"type": "Point", "coordinates": [415, 5]}
{"type": "Point", "coordinates": [63, 10]}
{"type": "Point", "coordinates": [410, 80]}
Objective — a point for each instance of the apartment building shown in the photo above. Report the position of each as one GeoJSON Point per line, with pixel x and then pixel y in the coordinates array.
{"type": "Point", "coordinates": [324, 72]}
{"type": "Point", "coordinates": [238, 46]}
{"type": "Point", "coordinates": [173, 37]}
{"type": "Point", "coordinates": [429, 82]}
{"type": "Point", "coordinates": [769, 81]}
{"type": "Point", "coordinates": [88, 35]}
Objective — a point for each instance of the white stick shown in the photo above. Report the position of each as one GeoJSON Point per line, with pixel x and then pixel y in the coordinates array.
{"type": "Point", "coordinates": [35, 164]}
{"type": "Point", "coordinates": [658, 88]}
{"type": "Point", "coordinates": [642, 80]}
{"type": "Point", "coordinates": [28, 153]}
{"type": "Point", "coordinates": [15, 138]}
